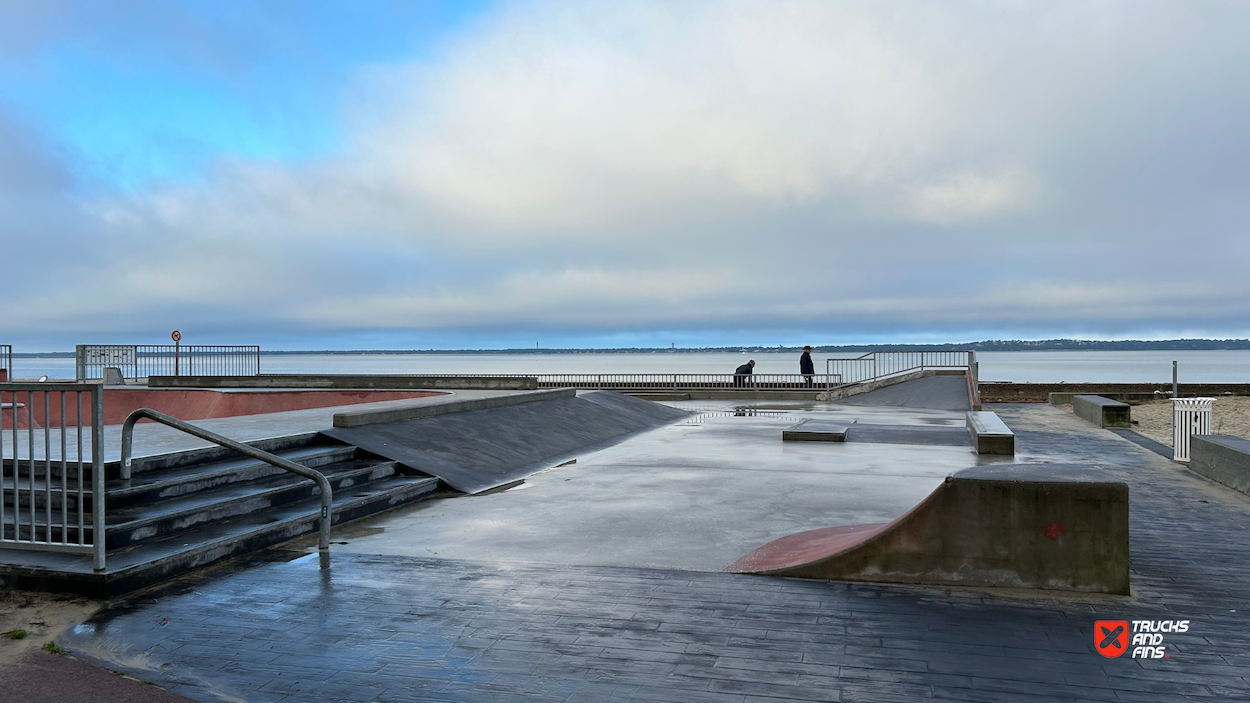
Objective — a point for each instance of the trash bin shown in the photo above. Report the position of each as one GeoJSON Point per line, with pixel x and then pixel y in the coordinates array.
{"type": "Point", "coordinates": [1190, 416]}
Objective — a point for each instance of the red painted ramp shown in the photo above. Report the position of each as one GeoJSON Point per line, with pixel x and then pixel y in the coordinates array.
{"type": "Point", "coordinates": [1047, 526]}
{"type": "Point", "coordinates": [806, 547]}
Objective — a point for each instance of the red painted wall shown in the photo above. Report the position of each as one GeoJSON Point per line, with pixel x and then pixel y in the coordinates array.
{"type": "Point", "coordinates": [193, 404]}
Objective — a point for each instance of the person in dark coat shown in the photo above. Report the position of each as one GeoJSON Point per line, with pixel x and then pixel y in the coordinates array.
{"type": "Point", "coordinates": [741, 373]}
{"type": "Point", "coordinates": [806, 367]}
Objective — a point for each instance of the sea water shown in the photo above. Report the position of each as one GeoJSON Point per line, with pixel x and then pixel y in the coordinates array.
{"type": "Point", "coordinates": [1018, 366]}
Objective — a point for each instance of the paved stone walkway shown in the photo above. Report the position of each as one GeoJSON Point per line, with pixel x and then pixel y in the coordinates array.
{"type": "Point", "coordinates": [387, 628]}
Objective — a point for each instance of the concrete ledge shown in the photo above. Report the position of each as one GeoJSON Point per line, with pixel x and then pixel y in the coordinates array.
{"type": "Point", "coordinates": [1045, 526]}
{"type": "Point", "coordinates": [1007, 392]}
{"type": "Point", "coordinates": [359, 418]}
{"type": "Point", "coordinates": [990, 435]}
{"type": "Point", "coordinates": [752, 395]}
{"type": "Point", "coordinates": [1101, 411]}
{"type": "Point", "coordinates": [350, 381]}
{"type": "Point", "coordinates": [1060, 398]}
{"type": "Point", "coordinates": [672, 397]}
{"type": "Point", "coordinates": [1222, 458]}
{"type": "Point", "coordinates": [815, 431]}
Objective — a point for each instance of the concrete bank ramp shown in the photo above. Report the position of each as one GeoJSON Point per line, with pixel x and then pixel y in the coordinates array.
{"type": "Point", "coordinates": [1050, 526]}
{"type": "Point", "coordinates": [932, 392]}
{"type": "Point", "coordinates": [478, 450]}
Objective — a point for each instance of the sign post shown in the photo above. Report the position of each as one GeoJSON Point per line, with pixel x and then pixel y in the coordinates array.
{"type": "Point", "coordinates": [177, 337]}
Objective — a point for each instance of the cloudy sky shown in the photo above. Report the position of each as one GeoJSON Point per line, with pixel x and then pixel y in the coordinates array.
{"type": "Point", "coordinates": [481, 174]}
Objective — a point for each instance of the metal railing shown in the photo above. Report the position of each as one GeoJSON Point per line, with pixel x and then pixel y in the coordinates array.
{"type": "Point", "coordinates": [142, 360]}
{"type": "Point", "coordinates": [676, 382]}
{"type": "Point", "coordinates": [6, 360]}
{"type": "Point", "coordinates": [128, 431]}
{"type": "Point", "coordinates": [51, 472]}
{"type": "Point", "coordinates": [883, 364]}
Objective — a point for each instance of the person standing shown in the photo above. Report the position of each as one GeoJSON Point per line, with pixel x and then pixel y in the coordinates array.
{"type": "Point", "coordinates": [806, 367]}
{"type": "Point", "coordinates": [741, 373]}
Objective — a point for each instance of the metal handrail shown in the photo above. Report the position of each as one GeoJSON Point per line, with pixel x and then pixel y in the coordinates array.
{"type": "Point", "coordinates": [877, 365]}
{"type": "Point", "coordinates": [677, 382]}
{"type": "Point", "coordinates": [128, 431]}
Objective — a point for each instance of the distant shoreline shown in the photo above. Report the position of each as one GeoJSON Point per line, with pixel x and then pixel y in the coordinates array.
{"type": "Point", "coordinates": [991, 346]}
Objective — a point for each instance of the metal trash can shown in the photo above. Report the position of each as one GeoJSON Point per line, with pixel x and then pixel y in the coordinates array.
{"type": "Point", "coordinates": [1190, 416]}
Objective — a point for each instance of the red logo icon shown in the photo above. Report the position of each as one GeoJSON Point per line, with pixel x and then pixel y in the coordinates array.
{"type": "Point", "coordinates": [1055, 530]}
{"type": "Point", "coordinates": [1111, 637]}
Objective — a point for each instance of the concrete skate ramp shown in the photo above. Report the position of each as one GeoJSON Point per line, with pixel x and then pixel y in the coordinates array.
{"type": "Point", "coordinates": [932, 392]}
{"type": "Point", "coordinates": [482, 449]}
{"type": "Point", "coordinates": [1050, 526]}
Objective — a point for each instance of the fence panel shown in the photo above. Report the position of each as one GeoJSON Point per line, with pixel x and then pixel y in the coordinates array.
{"type": "Point", "coordinates": [883, 364]}
{"type": "Point", "coordinates": [52, 468]}
{"type": "Point", "coordinates": [143, 360]}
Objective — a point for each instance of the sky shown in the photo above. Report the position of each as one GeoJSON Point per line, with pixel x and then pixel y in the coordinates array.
{"type": "Point", "coordinates": [388, 174]}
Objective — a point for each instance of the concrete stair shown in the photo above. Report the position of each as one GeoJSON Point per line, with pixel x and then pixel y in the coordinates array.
{"type": "Point", "coordinates": [183, 511]}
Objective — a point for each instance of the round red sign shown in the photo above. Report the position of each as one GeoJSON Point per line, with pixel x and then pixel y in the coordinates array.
{"type": "Point", "coordinates": [176, 336]}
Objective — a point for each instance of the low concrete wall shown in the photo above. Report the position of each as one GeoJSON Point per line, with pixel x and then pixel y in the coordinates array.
{"type": "Point", "coordinates": [360, 418]}
{"type": "Point", "coordinates": [1049, 526]}
{"type": "Point", "coordinates": [999, 392]}
{"type": "Point", "coordinates": [1101, 411]}
{"type": "Point", "coordinates": [1222, 458]}
{"type": "Point", "coordinates": [350, 381]}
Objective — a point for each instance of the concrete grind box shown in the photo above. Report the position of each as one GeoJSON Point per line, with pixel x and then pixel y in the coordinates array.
{"type": "Point", "coordinates": [1101, 411]}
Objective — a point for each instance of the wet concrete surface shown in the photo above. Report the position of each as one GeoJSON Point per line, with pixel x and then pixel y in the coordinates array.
{"type": "Point", "coordinates": [386, 626]}
{"type": "Point", "coordinates": [695, 495]}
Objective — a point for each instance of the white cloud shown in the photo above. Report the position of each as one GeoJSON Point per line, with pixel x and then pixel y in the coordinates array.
{"type": "Point", "coordinates": [616, 167]}
{"type": "Point", "coordinates": [969, 196]}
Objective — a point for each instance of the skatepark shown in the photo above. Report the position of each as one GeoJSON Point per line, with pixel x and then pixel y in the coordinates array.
{"type": "Point", "coordinates": [586, 545]}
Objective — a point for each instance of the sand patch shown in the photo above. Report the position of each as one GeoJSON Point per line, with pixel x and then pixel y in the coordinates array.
{"type": "Point", "coordinates": [1229, 415]}
{"type": "Point", "coordinates": [43, 616]}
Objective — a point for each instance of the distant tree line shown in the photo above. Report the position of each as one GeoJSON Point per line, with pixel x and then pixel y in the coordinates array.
{"type": "Point", "coordinates": [988, 345]}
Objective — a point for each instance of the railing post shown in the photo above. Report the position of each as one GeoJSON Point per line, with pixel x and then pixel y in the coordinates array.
{"type": "Point", "coordinates": [97, 478]}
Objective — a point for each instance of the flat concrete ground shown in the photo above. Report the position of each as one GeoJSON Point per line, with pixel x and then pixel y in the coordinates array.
{"type": "Point", "coordinates": [696, 495]}
{"type": "Point", "coordinates": [543, 623]}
